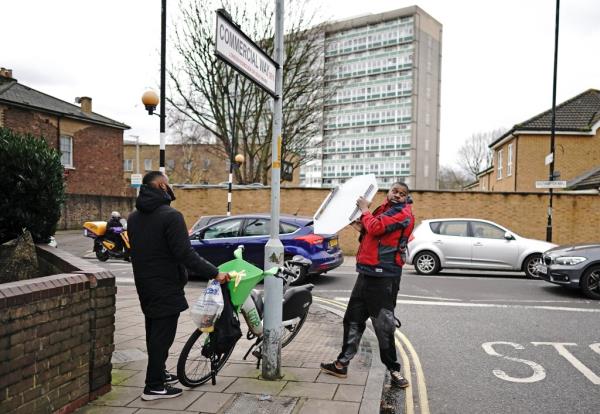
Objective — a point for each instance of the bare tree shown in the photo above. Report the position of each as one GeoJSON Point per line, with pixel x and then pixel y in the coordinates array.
{"type": "Point", "coordinates": [450, 178]}
{"type": "Point", "coordinates": [475, 155]}
{"type": "Point", "coordinates": [204, 86]}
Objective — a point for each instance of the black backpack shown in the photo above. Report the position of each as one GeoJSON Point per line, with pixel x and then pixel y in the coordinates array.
{"type": "Point", "coordinates": [227, 328]}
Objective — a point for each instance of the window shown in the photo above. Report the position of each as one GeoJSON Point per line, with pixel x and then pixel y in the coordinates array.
{"type": "Point", "coordinates": [66, 150]}
{"type": "Point", "coordinates": [228, 228]}
{"type": "Point", "coordinates": [148, 164]}
{"type": "Point", "coordinates": [257, 227]}
{"type": "Point", "coordinates": [486, 230]}
{"type": "Point", "coordinates": [285, 228]}
{"type": "Point", "coordinates": [450, 228]}
{"type": "Point", "coordinates": [170, 164]}
{"type": "Point", "coordinates": [499, 166]}
{"type": "Point", "coordinates": [509, 161]}
{"type": "Point", "coordinates": [127, 165]}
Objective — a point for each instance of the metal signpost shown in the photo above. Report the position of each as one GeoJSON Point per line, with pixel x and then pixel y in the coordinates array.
{"type": "Point", "coordinates": [240, 52]}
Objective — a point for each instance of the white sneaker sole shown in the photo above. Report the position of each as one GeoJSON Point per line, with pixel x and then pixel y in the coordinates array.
{"type": "Point", "coordinates": [152, 397]}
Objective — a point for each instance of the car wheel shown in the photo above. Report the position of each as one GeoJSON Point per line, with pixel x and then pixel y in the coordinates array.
{"type": "Point", "coordinates": [427, 263]}
{"type": "Point", "coordinates": [530, 266]}
{"type": "Point", "coordinates": [300, 273]}
{"type": "Point", "coordinates": [590, 283]}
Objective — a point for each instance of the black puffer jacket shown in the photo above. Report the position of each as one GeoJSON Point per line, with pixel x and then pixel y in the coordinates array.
{"type": "Point", "coordinates": [160, 253]}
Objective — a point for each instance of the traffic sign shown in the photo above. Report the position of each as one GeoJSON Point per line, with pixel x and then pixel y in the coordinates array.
{"type": "Point", "coordinates": [550, 184]}
{"type": "Point", "coordinates": [136, 180]}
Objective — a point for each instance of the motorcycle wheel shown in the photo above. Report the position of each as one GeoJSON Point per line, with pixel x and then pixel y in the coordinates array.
{"type": "Point", "coordinates": [193, 368]}
{"type": "Point", "coordinates": [102, 254]}
{"type": "Point", "coordinates": [290, 332]}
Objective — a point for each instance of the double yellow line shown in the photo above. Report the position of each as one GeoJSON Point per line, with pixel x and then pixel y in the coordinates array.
{"type": "Point", "coordinates": [407, 352]}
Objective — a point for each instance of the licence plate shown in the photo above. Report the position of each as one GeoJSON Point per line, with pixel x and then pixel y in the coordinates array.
{"type": "Point", "coordinates": [333, 242]}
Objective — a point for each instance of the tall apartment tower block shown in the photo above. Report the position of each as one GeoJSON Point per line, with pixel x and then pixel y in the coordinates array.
{"type": "Point", "coordinates": [384, 116]}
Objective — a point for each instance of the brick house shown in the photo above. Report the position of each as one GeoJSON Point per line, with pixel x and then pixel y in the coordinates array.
{"type": "Point", "coordinates": [91, 146]}
{"type": "Point", "coordinates": [184, 163]}
{"type": "Point", "coordinates": [519, 155]}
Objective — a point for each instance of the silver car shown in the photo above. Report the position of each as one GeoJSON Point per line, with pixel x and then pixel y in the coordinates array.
{"type": "Point", "coordinates": [465, 243]}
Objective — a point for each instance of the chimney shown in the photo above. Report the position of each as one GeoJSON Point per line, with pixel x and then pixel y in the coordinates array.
{"type": "Point", "coordinates": [86, 104]}
{"type": "Point", "coordinates": [6, 73]}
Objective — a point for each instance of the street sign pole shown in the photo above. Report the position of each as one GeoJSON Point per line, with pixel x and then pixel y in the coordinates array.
{"type": "Point", "coordinates": [271, 350]}
{"type": "Point", "coordinates": [553, 123]}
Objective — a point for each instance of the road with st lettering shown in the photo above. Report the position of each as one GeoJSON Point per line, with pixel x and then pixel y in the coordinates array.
{"type": "Point", "coordinates": [476, 342]}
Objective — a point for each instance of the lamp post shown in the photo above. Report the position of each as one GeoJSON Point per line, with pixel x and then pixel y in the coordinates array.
{"type": "Point", "coordinates": [553, 125]}
{"type": "Point", "coordinates": [149, 98]}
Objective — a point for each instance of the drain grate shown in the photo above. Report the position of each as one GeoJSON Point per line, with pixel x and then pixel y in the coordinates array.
{"type": "Point", "coordinates": [260, 404]}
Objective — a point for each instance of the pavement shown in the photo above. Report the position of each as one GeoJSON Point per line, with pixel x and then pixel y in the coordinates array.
{"type": "Point", "coordinates": [239, 389]}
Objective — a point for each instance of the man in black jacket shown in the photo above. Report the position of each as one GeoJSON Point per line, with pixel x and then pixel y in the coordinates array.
{"type": "Point", "coordinates": [160, 253]}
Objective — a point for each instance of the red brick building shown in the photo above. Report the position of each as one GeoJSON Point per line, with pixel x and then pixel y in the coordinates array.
{"type": "Point", "coordinates": [91, 146]}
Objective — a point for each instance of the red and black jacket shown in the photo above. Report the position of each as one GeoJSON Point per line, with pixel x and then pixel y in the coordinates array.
{"type": "Point", "coordinates": [383, 240]}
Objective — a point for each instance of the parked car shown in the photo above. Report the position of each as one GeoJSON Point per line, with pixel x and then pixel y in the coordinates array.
{"type": "Point", "coordinates": [466, 243]}
{"type": "Point", "coordinates": [217, 241]}
{"type": "Point", "coordinates": [576, 266]}
{"type": "Point", "coordinates": [204, 221]}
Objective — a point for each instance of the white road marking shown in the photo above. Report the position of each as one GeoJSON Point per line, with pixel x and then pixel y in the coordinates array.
{"type": "Point", "coordinates": [595, 347]}
{"type": "Point", "coordinates": [488, 305]}
{"type": "Point", "coordinates": [539, 373]}
{"type": "Point", "coordinates": [564, 352]}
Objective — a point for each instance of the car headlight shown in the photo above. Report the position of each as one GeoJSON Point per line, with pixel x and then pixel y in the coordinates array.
{"type": "Point", "coordinates": [569, 260]}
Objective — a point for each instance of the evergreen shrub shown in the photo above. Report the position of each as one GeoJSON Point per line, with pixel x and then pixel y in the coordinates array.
{"type": "Point", "coordinates": [31, 186]}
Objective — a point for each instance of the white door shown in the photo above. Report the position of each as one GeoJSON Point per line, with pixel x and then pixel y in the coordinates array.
{"type": "Point", "coordinates": [452, 238]}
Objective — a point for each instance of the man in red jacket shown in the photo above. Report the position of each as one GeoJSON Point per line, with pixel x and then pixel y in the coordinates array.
{"type": "Point", "coordinates": [383, 238]}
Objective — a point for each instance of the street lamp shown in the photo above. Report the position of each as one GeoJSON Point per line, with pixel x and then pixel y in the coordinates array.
{"type": "Point", "coordinates": [150, 100]}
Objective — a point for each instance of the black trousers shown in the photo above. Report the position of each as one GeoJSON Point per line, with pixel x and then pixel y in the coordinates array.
{"type": "Point", "coordinates": [160, 334]}
{"type": "Point", "coordinates": [375, 298]}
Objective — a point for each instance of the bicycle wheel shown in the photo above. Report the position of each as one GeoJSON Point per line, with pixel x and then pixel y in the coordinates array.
{"type": "Point", "coordinates": [194, 368]}
{"type": "Point", "coordinates": [290, 332]}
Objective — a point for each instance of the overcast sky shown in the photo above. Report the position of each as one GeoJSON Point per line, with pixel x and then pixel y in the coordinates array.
{"type": "Point", "coordinates": [497, 56]}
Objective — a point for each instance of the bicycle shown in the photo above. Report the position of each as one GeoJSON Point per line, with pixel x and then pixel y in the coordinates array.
{"type": "Point", "coordinates": [197, 363]}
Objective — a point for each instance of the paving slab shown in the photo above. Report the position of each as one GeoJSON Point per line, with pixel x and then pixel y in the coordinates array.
{"type": "Point", "coordinates": [222, 384]}
{"type": "Point", "coordinates": [240, 370]}
{"type": "Point", "coordinates": [309, 389]}
{"type": "Point", "coordinates": [354, 378]}
{"type": "Point", "coordinates": [254, 386]}
{"type": "Point", "coordinates": [300, 374]}
{"type": "Point", "coordinates": [314, 406]}
{"type": "Point", "coordinates": [119, 396]}
{"type": "Point", "coordinates": [352, 393]}
{"type": "Point", "coordinates": [210, 402]}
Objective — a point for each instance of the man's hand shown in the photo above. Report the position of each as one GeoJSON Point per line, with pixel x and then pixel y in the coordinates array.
{"type": "Point", "coordinates": [223, 277]}
{"type": "Point", "coordinates": [363, 204]}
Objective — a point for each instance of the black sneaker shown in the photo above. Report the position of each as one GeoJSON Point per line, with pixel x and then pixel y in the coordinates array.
{"type": "Point", "coordinates": [167, 392]}
{"type": "Point", "coordinates": [332, 369]}
{"type": "Point", "coordinates": [170, 378]}
{"type": "Point", "coordinates": [398, 380]}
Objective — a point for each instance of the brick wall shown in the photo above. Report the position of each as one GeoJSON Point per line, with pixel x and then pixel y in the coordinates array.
{"type": "Point", "coordinates": [576, 217]}
{"type": "Point", "coordinates": [79, 208]}
{"type": "Point", "coordinates": [56, 336]}
{"type": "Point", "coordinates": [97, 150]}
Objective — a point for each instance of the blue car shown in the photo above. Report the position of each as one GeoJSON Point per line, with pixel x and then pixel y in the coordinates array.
{"type": "Point", "coordinates": [217, 241]}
